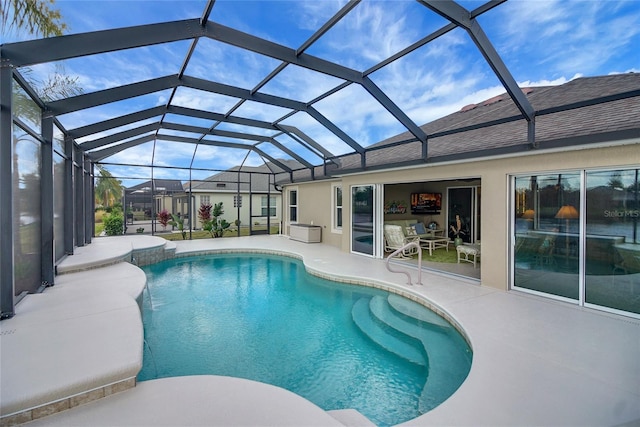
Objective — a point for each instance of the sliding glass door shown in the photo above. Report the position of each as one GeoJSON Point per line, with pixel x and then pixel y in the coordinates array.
{"type": "Point", "coordinates": [463, 203]}
{"type": "Point", "coordinates": [547, 215]}
{"type": "Point", "coordinates": [364, 214]}
{"type": "Point", "coordinates": [612, 255]}
{"type": "Point", "coordinates": [577, 237]}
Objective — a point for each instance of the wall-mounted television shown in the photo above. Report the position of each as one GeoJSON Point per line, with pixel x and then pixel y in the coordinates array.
{"type": "Point", "coordinates": [426, 203]}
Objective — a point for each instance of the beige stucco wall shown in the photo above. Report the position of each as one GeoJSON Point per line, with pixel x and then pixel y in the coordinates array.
{"type": "Point", "coordinates": [314, 206]}
{"type": "Point", "coordinates": [315, 202]}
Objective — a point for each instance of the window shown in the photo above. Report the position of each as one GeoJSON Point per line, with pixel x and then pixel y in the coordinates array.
{"type": "Point", "coordinates": [293, 205]}
{"type": "Point", "coordinates": [205, 200]}
{"type": "Point", "coordinates": [336, 216]}
{"type": "Point", "coordinates": [268, 208]}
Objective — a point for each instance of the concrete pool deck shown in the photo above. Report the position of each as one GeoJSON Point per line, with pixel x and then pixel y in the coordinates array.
{"type": "Point", "coordinates": [536, 361]}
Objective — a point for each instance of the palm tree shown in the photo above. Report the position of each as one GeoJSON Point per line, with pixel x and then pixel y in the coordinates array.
{"type": "Point", "coordinates": [37, 17]}
{"type": "Point", "coordinates": [108, 189]}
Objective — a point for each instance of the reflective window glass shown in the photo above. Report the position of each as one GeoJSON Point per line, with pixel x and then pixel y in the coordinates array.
{"type": "Point", "coordinates": [337, 224]}
{"type": "Point", "coordinates": [612, 263]}
{"type": "Point", "coordinates": [362, 219]}
{"type": "Point", "coordinates": [547, 219]}
{"type": "Point", "coordinates": [293, 205]}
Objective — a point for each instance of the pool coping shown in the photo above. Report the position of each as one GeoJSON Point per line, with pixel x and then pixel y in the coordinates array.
{"type": "Point", "coordinates": [536, 361]}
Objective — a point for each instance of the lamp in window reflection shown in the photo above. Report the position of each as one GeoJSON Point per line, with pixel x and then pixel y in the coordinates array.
{"type": "Point", "coordinates": [567, 212]}
{"type": "Point", "coordinates": [528, 214]}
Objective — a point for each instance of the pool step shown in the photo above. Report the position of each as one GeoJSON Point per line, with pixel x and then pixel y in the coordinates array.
{"type": "Point", "coordinates": [416, 311]}
{"type": "Point", "coordinates": [362, 316]}
{"type": "Point", "coordinates": [384, 313]}
{"type": "Point", "coordinates": [395, 315]}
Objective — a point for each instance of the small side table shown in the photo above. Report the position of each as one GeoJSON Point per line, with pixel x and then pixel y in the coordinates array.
{"type": "Point", "coordinates": [431, 243]}
{"type": "Point", "coordinates": [466, 251]}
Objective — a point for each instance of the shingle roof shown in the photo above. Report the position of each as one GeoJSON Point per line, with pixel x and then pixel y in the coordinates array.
{"type": "Point", "coordinates": [582, 111]}
{"type": "Point", "coordinates": [258, 175]}
{"type": "Point", "coordinates": [168, 185]}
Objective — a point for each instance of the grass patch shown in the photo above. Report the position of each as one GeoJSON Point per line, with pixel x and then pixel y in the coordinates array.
{"type": "Point", "coordinates": [97, 216]}
{"type": "Point", "coordinates": [441, 255]}
{"type": "Point", "coordinates": [99, 226]}
{"type": "Point", "coordinates": [178, 236]}
{"type": "Point", "coordinates": [199, 234]}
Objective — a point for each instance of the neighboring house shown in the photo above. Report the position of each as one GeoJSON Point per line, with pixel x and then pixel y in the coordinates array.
{"type": "Point", "coordinates": [151, 199]}
{"type": "Point", "coordinates": [557, 215]}
{"type": "Point", "coordinates": [260, 202]}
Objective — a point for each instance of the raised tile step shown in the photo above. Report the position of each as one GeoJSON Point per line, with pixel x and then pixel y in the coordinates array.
{"type": "Point", "coordinates": [67, 345]}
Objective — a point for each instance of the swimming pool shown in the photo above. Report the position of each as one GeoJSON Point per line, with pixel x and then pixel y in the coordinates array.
{"type": "Point", "coordinates": [265, 318]}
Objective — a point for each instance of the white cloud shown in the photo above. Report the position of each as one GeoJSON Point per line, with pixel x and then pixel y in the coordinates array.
{"type": "Point", "coordinates": [207, 101]}
{"type": "Point", "coordinates": [293, 82]}
{"type": "Point", "coordinates": [370, 33]}
{"type": "Point", "coordinates": [566, 37]}
{"type": "Point", "coordinates": [543, 42]}
{"type": "Point", "coordinates": [630, 70]}
{"type": "Point", "coordinates": [314, 13]}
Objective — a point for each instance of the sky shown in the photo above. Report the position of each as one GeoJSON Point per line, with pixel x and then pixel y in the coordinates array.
{"type": "Point", "coordinates": [542, 42]}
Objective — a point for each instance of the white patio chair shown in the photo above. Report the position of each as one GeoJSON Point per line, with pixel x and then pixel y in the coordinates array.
{"type": "Point", "coordinates": [395, 239]}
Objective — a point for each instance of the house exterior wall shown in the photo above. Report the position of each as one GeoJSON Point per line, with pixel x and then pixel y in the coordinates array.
{"type": "Point", "coordinates": [231, 212]}
{"type": "Point", "coordinates": [315, 202]}
{"type": "Point", "coordinates": [315, 199]}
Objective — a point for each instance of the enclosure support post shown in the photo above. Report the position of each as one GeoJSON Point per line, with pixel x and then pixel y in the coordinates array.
{"type": "Point", "coordinates": [6, 194]}
{"type": "Point", "coordinates": [68, 196]}
{"type": "Point", "coordinates": [78, 163]}
{"type": "Point", "coordinates": [47, 258]}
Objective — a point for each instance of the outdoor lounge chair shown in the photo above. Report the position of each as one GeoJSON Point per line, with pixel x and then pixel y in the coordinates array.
{"type": "Point", "coordinates": [629, 256]}
{"type": "Point", "coordinates": [395, 239]}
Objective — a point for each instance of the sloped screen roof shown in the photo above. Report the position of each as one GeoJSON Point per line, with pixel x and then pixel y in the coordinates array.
{"type": "Point", "coordinates": [302, 86]}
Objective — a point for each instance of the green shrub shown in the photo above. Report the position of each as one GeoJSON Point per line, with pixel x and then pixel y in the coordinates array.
{"type": "Point", "coordinates": [114, 223]}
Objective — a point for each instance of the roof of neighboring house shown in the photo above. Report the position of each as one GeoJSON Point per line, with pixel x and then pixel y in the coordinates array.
{"type": "Point", "coordinates": [583, 111]}
{"type": "Point", "coordinates": [160, 185]}
{"type": "Point", "coordinates": [258, 176]}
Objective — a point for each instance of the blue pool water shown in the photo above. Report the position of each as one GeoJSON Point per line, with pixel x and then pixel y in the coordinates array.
{"type": "Point", "coordinates": [265, 318]}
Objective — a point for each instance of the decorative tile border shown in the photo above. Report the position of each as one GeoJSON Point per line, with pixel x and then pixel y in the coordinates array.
{"type": "Point", "coordinates": [66, 403]}
{"type": "Point", "coordinates": [93, 266]}
{"type": "Point", "coordinates": [148, 256]}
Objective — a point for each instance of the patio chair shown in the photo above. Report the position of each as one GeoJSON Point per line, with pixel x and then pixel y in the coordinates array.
{"type": "Point", "coordinates": [545, 253]}
{"type": "Point", "coordinates": [395, 239]}
{"type": "Point", "coordinates": [628, 259]}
